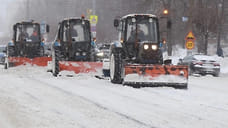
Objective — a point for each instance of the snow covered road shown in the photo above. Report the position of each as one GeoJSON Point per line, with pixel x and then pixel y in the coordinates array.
{"type": "Point", "coordinates": [31, 98]}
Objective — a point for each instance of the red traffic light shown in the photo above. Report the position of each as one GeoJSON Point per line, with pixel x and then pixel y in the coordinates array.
{"type": "Point", "coordinates": [165, 12]}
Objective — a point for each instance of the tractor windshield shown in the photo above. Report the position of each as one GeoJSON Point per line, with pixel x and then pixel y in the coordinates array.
{"type": "Point", "coordinates": [141, 29]}
{"type": "Point", "coordinates": [27, 32]}
{"type": "Point", "coordinates": [76, 30]}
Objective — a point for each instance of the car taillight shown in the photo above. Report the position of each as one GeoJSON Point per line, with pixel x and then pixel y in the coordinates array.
{"type": "Point", "coordinates": [216, 64]}
{"type": "Point", "coordinates": [198, 63]}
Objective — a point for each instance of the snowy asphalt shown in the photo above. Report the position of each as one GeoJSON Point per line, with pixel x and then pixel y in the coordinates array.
{"type": "Point", "coordinates": [30, 97]}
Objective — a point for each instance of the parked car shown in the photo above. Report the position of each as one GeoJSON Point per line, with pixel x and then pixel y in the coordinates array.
{"type": "Point", "coordinates": [201, 64]}
{"type": "Point", "coordinates": [47, 49]}
{"type": "Point", "coordinates": [2, 54]}
{"type": "Point", "coordinates": [104, 48]}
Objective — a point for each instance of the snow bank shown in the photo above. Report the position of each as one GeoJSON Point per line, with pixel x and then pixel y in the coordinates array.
{"type": "Point", "coordinates": [224, 65]}
{"type": "Point", "coordinates": [179, 52]}
{"type": "Point", "coordinates": [159, 79]}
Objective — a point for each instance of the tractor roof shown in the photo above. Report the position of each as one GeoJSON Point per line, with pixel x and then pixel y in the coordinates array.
{"type": "Point", "coordinates": [134, 15]}
{"type": "Point", "coordinates": [28, 22]}
{"type": "Point", "coordinates": [72, 18]}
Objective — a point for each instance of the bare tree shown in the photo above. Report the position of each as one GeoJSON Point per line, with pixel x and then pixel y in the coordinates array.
{"type": "Point", "coordinates": [205, 23]}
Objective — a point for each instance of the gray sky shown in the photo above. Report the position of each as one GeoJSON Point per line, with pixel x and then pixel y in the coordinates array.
{"type": "Point", "coordinates": [3, 14]}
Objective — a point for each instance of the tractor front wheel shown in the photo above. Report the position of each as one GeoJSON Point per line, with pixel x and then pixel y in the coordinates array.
{"type": "Point", "coordinates": [55, 61]}
{"type": "Point", "coordinates": [116, 67]}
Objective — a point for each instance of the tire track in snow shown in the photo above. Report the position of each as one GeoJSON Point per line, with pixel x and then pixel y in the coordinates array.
{"type": "Point", "coordinates": [21, 107]}
{"type": "Point", "coordinates": [96, 104]}
{"type": "Point", "coordinates": [28, 76]}
{"type": "Point", "coordinates": [163, 95]}
{"type": "Point", "coordinates": [183, 112]}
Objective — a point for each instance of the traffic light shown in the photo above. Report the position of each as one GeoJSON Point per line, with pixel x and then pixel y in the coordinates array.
{"type": "Point", "coordinates": [165, 12]}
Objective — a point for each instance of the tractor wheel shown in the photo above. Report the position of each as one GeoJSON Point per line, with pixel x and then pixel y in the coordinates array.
{"type": "Point", "coordinates": [216, 74]}
{"type": "Point", "coordinates": [55, 61]}
{"type": "Point", "coordinates": [10, 51]}
{"type": "Point", "coordinates": [6, 63]}
{"type": "Point", "coordinates": [41, 51]}
{"type": "Point", "coordinates": [116, 66]}
{"type": "Point", "coordinates": [160, 59]}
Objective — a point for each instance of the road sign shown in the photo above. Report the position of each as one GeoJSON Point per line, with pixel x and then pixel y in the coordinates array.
{"type": "Point", "coordinates": [184, 19]}
{"type": "Point", "coordinates": [189, 44]}
{"type": "Point", "coordinates": [93, 28]}
{"type": "Point", "coordinates": [93, 19]}
{"type": "Point", "coordinates": [42, 27]}
{"type": "Point", "coordinates": [190, 36]}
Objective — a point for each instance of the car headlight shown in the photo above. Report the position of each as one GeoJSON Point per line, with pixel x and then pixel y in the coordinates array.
{"type": "Point", "coordinates": [146, 46]}
{"type": "Point", "coordinates": [100, 54]}
{"type": "Point", "coordinates": [154, 47]}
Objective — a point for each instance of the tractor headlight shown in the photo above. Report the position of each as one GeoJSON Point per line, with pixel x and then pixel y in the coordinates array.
{"type": "Point", "coordinates": [146, 46]}
{"type": "Point", "coordinates": [77, 54]}
{"type": "Point", "coordinates": [154, 47]}
{"type": "Point", "coordinates": [181, 72]}
{"type": "Point", "coordinates": [84, 53]}
{"type": "Point", "coordinates": [100, 54]}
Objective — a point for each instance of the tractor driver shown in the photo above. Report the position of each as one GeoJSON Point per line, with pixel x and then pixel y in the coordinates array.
{"type": "Point", "coordinates": [34, 37]}
{"type": "Point", "coordinates": [73, 33]}
{"type": "Point", "coordinates": [137, 35]}
{"type": "Point", "coordinates": [23, 35]}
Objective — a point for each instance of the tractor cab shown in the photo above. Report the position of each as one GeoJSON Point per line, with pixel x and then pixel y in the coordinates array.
{"type": "Point", "coordinates": [75, 39]}
{"type": "Point", "coordinates": [27, 40]}
{"type": "Point", "coordinates": [140, 37]}
{"type": "Point", "coordinates": [27, 46]}
{"type": "Point", "coordinates": [28, 33]}
{"type": "Point", "coordinates": [72, 49]}
{"type": "Point", "coordinates": [136, 58]}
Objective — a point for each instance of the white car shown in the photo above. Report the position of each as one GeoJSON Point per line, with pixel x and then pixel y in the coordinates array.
{"type": "Point", "coordinates": [2, 54]}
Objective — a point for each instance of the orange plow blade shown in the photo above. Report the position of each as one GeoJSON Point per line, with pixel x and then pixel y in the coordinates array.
{"type": "Point", "coordinates": [162, 75]}
{"type": "Point", "coordinates": [38, 61]}
{"type": "Point", "coordinates": [80, 67]}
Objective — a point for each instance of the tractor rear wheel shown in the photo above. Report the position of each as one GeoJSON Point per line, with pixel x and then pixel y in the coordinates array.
{"type": "Point", "coordinates": [6, 63]}
{"type": "Point", "coordinates": [41, 51]}
{"type": "Point", "coordinates": [55, 61]}
{"type": "Point", "coordinates": [116, 66]}
{"type": "Point", "coordinates": [160, 60]}
{"type": "Point", "coordinates": [10, 53]}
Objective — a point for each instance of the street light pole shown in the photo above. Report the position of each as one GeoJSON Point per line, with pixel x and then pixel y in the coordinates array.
{"type": "Point", "coordinates": [167, 5]}
{"type": "Point", "coordinates": [27, 10]}
{"type": "Point", "coordinates": [94, 7]}
{"type": "Point", "coordinates": [220, 27]}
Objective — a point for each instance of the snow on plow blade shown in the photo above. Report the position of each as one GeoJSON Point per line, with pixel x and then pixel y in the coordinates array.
{"type": "Point", "coordinates": [38, 61]}
{"type": "Point", "coordinates": [156, 75]}
{"type": "Point", "coordinates": [80, 67]}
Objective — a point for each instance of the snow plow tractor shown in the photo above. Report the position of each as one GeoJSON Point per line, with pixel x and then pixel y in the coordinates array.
{"type": "Point", "coordinates": [136, 58]}
{"type": "Point", "coordinates": [26, 46]}
{"type": "Point", "coordinates": [72, 49]}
